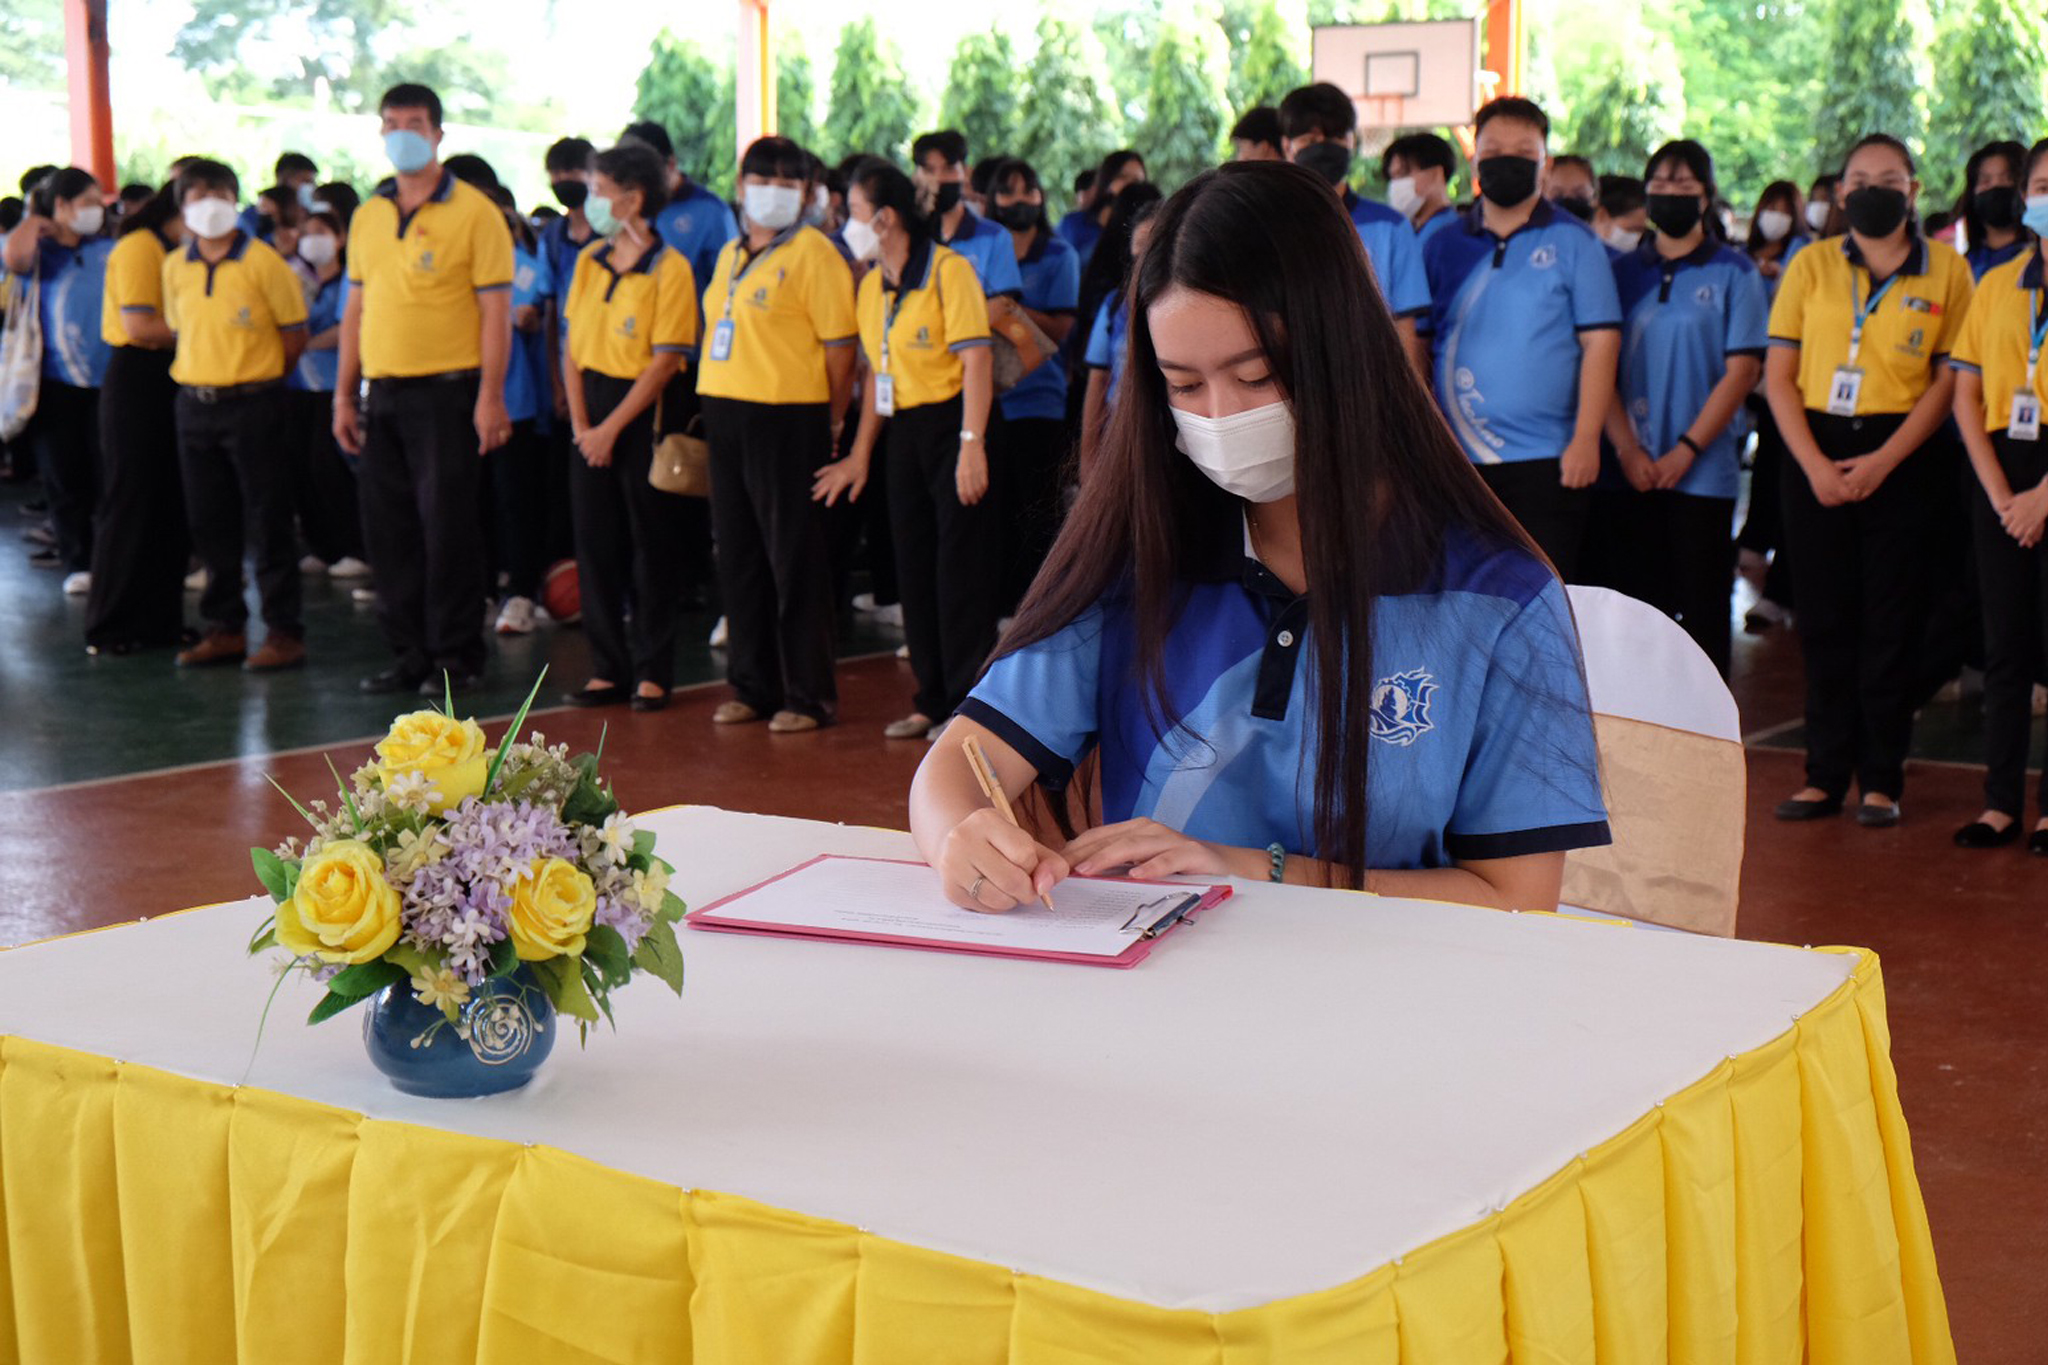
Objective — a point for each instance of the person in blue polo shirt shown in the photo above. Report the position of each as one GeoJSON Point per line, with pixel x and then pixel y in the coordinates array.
{"type": "Point", "coordinates": [1991, 206]}
{"type": "Point", "coordinates": [1692, 350]}
{"type": "Point", "coordinates": [1526, 330]}
{"type": "Point", "coordinates": [1329, 657]}
{"type": "Point", "coordinates": [1320, 128]}
{"type": "Point", "coordinates": [1082, 228]}
{"type": "Point", "coordinates": [1418, 168]}
{"type": "Point", "coordinates": [941, 162]}
{"type": "Point", "coordinates": [695, 221]}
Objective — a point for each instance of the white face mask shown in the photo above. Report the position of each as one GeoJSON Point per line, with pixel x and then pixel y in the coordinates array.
{"type": "Point", "coordinates": [1773, 224]}
{"type": "Point", "coordinates": [1250, 453]}
{"type": "Point", "coordinates": [87, 221]}
{"type": "Point", "coordinates": [210, 217]}
{"type": "Point", "coordinates": [318, 248]}
{"type": "Point", "coordinates": [1817, 215]}
{"type": "Point", "coordinates": [1621, 239]}
{"type": "Point", "coordinates": [860, 237]}
{"type": "Point", "coordinates": [1402, 196]}
{"type": "Point", "coordinates": [772, 206]}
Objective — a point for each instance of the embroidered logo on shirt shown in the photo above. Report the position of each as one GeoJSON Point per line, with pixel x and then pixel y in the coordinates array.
{"type": "Point", "coordinates": [425, 261]}
{"type": "Point", "coordinates": [1704, 294]}
{"type": "Point", "coordinates": [1543, 257]}
{"type": "Point", "coordinates": [1400, 707]}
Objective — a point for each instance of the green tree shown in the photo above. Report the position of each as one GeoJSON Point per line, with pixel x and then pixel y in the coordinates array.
{"type": "Point", "coordinates": [1989, 65]}
{"type": "Point", "coordinates": [689, 92]}
{"type": "Point", "coordinates": [1068, 120]}
{"type": "Point", "coordinates": [1267, 56]}
{"type": "Point", "coordinates": [981, 93]}
{"type": "Point", "coordinates": [32, 44]}
{"type": "Point", "coordinates": [229, 42]}
{"type": "Point", "coordinates": [1751, 77]}
{"type": "Point", "coordinates": [873, 108]}
{"type": "Point", "coordinates": [1185, 105]}
{"type": "Point", "coordinates": [1128, 33]}
{"type": "Point", "coordinates": [1872, 81]}
{"type": "Point", "coordinates": [1618, 122]}
{"type": "Point", "coordinates": [796, 94]}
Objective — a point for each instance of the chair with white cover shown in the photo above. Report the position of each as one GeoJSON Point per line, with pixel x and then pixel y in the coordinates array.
{"type": "Point", "coordinates": [1672, 770]}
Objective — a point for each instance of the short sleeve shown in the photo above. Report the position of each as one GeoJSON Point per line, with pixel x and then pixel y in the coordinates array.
{"type": "Point", "coordinates": [1532, 779]}
{"type": "Point", "coordinates": [490, 251]}
{"type": "Point", "coordinates": [675, 306]}
{"type": "Point", "coordinates": [1788, 311]}
{"type": "Point", "coordinates": [1063, 285]}
{"type": "Point", "coordinates": [282, 292]}
{"type": "Point", "coordinates": [169, 290]}
{"type": "Point", "coordinates": [1955, 308]}
{"type": "Point", "coordinates": [132, 284]}
{"type": "Point", "coordinates": [577, 283]}
{"type": "Point", "coordinates": [1003, 275]}
{"type": "Point", "coordinates": [830, 295]}
{"type": "Point", "coordinates": [1748, 314]}
{"type": "Point", "coordinates": [1406, 286]}
{"type": "Point", "coordinates": [1041, 700]}
{"type": "Point", "coordinates": [1097, 355]}
{"type": "Point", "coordinates": [1595, 304]}
{"type": "Point", "coordinates": [966, 306]}
{"type": "Point", "coordinates": [1968, 351]}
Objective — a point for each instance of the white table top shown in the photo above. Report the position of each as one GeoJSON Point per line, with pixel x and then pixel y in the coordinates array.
{"type": "Point", "coordinates": [1380, 1072]}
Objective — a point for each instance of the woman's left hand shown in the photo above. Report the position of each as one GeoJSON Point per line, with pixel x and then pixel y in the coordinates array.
{"type": "Point", "coordinates": [970, 476]}
{"type": "Point", "coordinates": [2025, 514]}
{"type": "Point", "coordinates": [1865, 474]}
{"type": "Point", "coordinates": [595, 444]}
{"type": "Point", "coordinates": [1673, 466]}
{"type": "Point", "coordinates": [1150, 848]}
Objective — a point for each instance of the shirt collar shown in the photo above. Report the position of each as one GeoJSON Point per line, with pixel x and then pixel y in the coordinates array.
{"type": "Point", "coordinates": [389, 187]}
{"type": "Point", "coordinates": [916, 269]}
{"type": "Point", "coordinates": [2030, 273]}
{"type": "Point", "coordinates": [643, 266]}
{"type": "Point", "coordinates": [1040, 241]}
{"type": "Point", "coordinates": [236, 248]}
{"type": "Point", "coordinates": [1916, 259]}
{"type": "Point", "coordinates": [970, 223]}
{"type": "Point", "coordinates": [1699, 255]}
{"type": "Point", "coordinates": [1541, 216]}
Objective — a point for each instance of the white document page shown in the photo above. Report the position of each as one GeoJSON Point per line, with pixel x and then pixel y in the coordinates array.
{"type": "Point", "coordinates": [1093, 917]}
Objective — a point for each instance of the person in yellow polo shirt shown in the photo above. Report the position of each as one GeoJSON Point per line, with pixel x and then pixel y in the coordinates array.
{"type": "Point", "coordinates": [429, 325]}
{"type": "Point", "coordinates": [775, 378]}
{"type": "Point", "coordinates": [924, 330]}
{"type": "Point", "coordinates": [240, 318]}
{"type": "Point", "coordinates": [2001, 361]}
{"type": "Point", "coordinates": [139, 541]}
{"type": "Point", "coordinates": [1856, 377]}
{"type": "Point", "coordinates": [631, 311]}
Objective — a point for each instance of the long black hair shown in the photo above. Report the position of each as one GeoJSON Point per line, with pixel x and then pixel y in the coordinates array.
{"type": "Point", "coordinates": [886, 187]}
{"type": "Point", "coordinates": [2015, 158]}
{"type": "Point", "coordinates": [1379, 481]}
{"type": "Point", "coordinates": [67, 183]}
{"type": "Point", "coordinates": [1110, 266]}
{"type": "Point", "coordinates": [158, 210]}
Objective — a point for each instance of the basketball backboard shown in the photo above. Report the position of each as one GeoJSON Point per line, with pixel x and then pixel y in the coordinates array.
{"type": "Point", "coordinates": [1405, 75]}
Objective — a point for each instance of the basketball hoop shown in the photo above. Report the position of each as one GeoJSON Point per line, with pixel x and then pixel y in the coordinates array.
{"type": "Point", "coordinates": [1382, 111]}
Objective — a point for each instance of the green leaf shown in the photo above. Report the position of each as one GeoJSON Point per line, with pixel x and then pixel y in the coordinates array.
{"type": "Point", "coordinates": [365, 978]}
{"type": "Point", "coordinates": [512, 735]}
{"type": "Point", "coordinates": [304, 814]}
{"type": "Point", "coordinates": [660, 955]}
{"type": "Point", "coordinates": [331, 1005]}
{"type": "Point", "coordinates": [606, 951]}
{"type": "Point", "coordinates": [266, 937]}
{"type": "Point", "coordinates": [562, 979]}
{"type": "Point", "coordinates": [504, 959]}
{"type": "Point", "coordinates": [672, 907]}
{"type": "Point", "coordinates": [448, 694]}
{"type": "Point", "coordinates": [270, 870]}
{"type": "Point", "coordinates": [348, 797]}
{"type": "Point", "coordinates": [590, 803]}
{"type": "Point", "coordinates": [643, 842]}
{"type": "Point", "coordinates": [411, 961]}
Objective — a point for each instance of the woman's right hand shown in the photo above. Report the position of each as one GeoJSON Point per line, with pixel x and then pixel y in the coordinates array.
{"type": "Point", "coordinates": [988, 864]}
{"type": "Point", "coordinates": [1830, 486]}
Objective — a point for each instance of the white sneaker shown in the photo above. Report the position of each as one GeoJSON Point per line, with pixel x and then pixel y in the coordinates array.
{"type": "Point", "coordinates": [891, 615]}
{"type": "Point", "coordinates": [77, 584]}
{"type": "Point", "coordinates": [312, 566]}
{"type": "Point", "coordinates": [362, 596]}
{"type": "Point", "coordinates": [195, 581]}
{"type": "Point", "coordinates": [719, 635]}
{"type": "Point", "coordinates": [516, 616]}
{"type": "Point", "coordinates": [863, 602]}
{"type": "Point", "coordinates": [348, 566]}
{"type": "Point", "coordinates": [903, 651]}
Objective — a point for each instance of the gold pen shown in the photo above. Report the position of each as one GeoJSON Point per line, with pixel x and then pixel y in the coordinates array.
{"type": "Point", "coordinates": [985, 774]}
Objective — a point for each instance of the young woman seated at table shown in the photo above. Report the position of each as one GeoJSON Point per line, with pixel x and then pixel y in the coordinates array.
{"type": "Point", "coordinates": [1286, 622]}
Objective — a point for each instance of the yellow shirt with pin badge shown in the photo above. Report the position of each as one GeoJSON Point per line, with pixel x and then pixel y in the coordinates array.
{"type": "Point", "coordinates": [230, 314]}
{"type": "Point", "coordinates": [915, 335]}
{"type": "Point", "coordinates": [619, 320]}
{"type": "Point", "coordinates": [1911, 322]}
{"type": "Point", "coordinates": [420, 274]}
{"type": "Point", "coordinates": [2003, 339]}
{"type": "Point", "coordinates": [769, 317]}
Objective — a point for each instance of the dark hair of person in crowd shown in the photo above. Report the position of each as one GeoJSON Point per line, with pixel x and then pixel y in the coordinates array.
{"type": "Point", "coordinates": [11, 209]}
{"type": "Point", "coordinates": [1574, 159]}
{"type": "Point", "coordinates": [341, 197]}
{"type": "Point", "coordinates": [569, 154]}
{"type": "Point", "coordinates": [982, 178]}
{"type": "Point", "coordinates": [472, 169]}
{"type": "Point", "coordinates": [1319, 108]}
{"type": "Point", "coordinates": [886, 187]}
{"type": "Point", "coordinates": [949, 143]}
{"type": "Point", "coordinates": [1116, 163]}
{"type": "Point", "coordinates": [522, 231]}
{"type": "Point", "coordinates": [412, 96]}
{"type": "Point", "coordinates": [637, 166]}
{"type": "Point", "coordinates": [32, 176]}
{"type": "Point", "coordinates": [1110, 265]}
{"type": "Point", "coordinates": [1015, 175]}
{"type": "Point", "coordinates": [1620, 195]}
{"type": "Point", "coordinates": [134, 194]}
{"type": "Point", "coordinates": [1884, 140]}
{"type": "Point", "coordinates": [1515, 109]}
{"type": "Point", "coordinates": [1259, 126]}
{"type": "Point", "coordinates": [1783, 196]}
{"type": "Point", "coordinates": [203, 174]}
{"type": "Point", "coordinates": [68, 183]}
{"type": "Point", "coordinates": [2033, 159]}
{"type": "Point", "coordinates": [1686, 153]}
{"type": "Point", "coordinates": [777, 158]}
{"type": "Point", "coordinates": [154, 213]}
{"type": "Point", "coordinates": [294, 163]}
{"type": "Point", "coordinates": [1424, 151]}
{"type": "Point", "coordinates": [652, 134]}
{"type": "Point", "coordinates": [1380, 481]}
{"type": "Point", "coordinates": [1084, 181]}
{"type": "Point", "coordinates": [1937, 222]}
{"type": "Point", "coordinates": [2014, 156]}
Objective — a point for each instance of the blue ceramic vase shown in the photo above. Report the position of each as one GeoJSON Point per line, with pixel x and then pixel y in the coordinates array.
{"type": "Point", "coordinates": [509, 1025]}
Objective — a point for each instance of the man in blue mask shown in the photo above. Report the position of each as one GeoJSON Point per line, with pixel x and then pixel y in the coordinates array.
{"type": "Point", "coordinates": [429, 326]}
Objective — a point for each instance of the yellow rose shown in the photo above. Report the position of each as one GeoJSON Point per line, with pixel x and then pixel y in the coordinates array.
{"type": "Point", "coordinates": [448, 753]}
{"type": "Point", "coordinates": [551, 910]}
{"type": "Point", "coordinates": [342, 909]}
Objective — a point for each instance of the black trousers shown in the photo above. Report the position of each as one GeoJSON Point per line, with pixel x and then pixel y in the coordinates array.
{"type": "Point", "coordinates": [1555, 517]}
{"type": "Point", "coordinates": [629, 549]}
{"type": "Point", "coordinates": [515, 488]}
{"type": "Point", "coordinates": [419, 480]}
{"type": "Point", "coordinates": [1954, 634]}
{"type": "Point", "coordinates": [140, 541]}
{"type": "Point", "coordinates": [324, 493]}
{"type": "Point", "coordinates": [238, 496]}
{"type": "Point", "coordinates": [774, 556]}
{"type": "Point", "coordinates": [2014, 586]}
{"type": "Point", "coordinates": [949, 558]}
{"type": "Point", "coordinates": [65, 435]}
{"type": "Point", "coordinates": [1672, 550]}
{"type": "Point", "coordinates": [1859, 575]}
{"type": "Point", "coordinates": [1027, 461]}
{"type": "Point", "coordinates": [1763, 530]}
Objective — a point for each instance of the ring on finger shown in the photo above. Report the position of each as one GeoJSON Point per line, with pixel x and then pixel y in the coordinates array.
{"type": "Point", "coordinates": [974, 891]}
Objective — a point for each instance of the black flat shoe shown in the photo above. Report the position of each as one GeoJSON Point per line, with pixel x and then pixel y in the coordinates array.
{"type": "Point", "coordinates": [1977, 834]}
{"type": "Point", "coordinates": [2037, 843]}
{"type": "Point", "coordinates": [391, 680]}
{"type": "Point", "coordinates": [645, 703]}
{"type": "Point", "coordinates": [1796, 810]}
{"type": "Point", "coordinates": [439, 685]}
{"type": "Point", "coordinates": [1882, 816]}
{"type": "Point", "coordinates": [596, 696]}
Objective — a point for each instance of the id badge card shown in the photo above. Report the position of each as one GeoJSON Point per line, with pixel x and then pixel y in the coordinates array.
{"type": "Point", "coordinates": [721, 340]}
{"type": "Point", "coordinates": [2025, 424]}
{"type": "Point", "coordinates": [1846, 389]}
{"type": "Point", "coordinates": [885, 395]}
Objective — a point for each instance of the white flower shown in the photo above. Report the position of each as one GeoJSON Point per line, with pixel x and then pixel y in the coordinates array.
{"type": "Point", "coordinates": [443, 987]}
{"type": "Point", "coordinates": [416, 849]}
{"type": "Point", "coordinates": [614, 840]}
{"type": "Point", "coordinates": [410, 791]}
{"type": "Point", "coordinates": [650, 888]}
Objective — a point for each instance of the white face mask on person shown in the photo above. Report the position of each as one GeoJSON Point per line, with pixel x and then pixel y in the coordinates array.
{"type": "Point", "coordinates": [209, 218]}
{"type": "Point", "coordinates": [861, 238]}
{"type": "Point", "coordinates": [1774, 224]}
{"type": "Point", "coordinates": [1402, 196]}
{"type": "Point", "coordinates": [772, 206]}
{"type": "Point", "coordinates": [86, 221]}
{"type": "Point", "coordinates": [318, 248]}
{"type": "Point", "coordinates": [1249, 454]}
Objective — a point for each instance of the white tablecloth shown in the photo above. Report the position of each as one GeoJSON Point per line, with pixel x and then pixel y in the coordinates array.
{"type": "Point", "coordinates": [1387, 1071]}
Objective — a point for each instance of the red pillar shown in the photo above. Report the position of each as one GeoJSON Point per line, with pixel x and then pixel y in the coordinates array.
{"type": "Point", "coordinates": [1504, 40]}
{"type": "Point", "coordinates": [754, 83]}
{"type": "Point", "coordinates": [92, 110]}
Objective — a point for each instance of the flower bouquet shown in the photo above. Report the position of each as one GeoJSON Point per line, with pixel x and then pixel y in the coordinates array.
{"type": "Point", "coordinates": [478, 889]}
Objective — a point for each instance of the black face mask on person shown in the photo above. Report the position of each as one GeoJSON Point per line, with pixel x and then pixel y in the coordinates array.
{"type": "Point", "coordinates": [1508, 180]}
{"type": "Point", "coordinates": [572, 193]}
{"type": "Point", "coordinates": [946, 197]}
{"type": "Point", "coordinates": [1875, 210]}
{"type": "Point", "coordinates": [1021, 216]}
{"type": "Point", "coordinates": [1329, 162]}
{"type": "Point", "coordinates": [1581, 209]}
{"type": "Point", "coordinates": [1997, 207]}
{"type": "Point", "coordinates": [1675, 215]}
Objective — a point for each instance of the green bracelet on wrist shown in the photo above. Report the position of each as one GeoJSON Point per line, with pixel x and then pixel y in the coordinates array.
{"type": "Point", "coordinates": [1279, 857]}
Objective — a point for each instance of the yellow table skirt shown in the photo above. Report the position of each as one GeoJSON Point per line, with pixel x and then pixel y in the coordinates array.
{"type": "Point", "coordinates": [1767, 1213]}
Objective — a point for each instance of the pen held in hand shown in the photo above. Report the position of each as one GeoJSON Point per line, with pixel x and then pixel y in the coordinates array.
{"type": "Point", "coordinates": [985, 774]}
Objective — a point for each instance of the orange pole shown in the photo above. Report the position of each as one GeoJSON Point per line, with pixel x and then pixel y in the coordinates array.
{"type": "Point", "coordinates": [754, 76]}
{"type": "Point", "coordinates": [1504, 45]}
{"type": "Point", "coordinates": [92, 111]}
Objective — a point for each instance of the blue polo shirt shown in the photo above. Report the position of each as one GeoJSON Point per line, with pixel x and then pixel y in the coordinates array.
{"type": "Point", "coordinates": [1395, 254]}
{"type": "Point", "coordinates": [320, 371]}
{"type": "Point", "coordinates": [1504, 323]}
{"type": "Point", "coordinates": [992, 252]}
{"type": "Point", "coordinates": [1793, 246]}
{"type": "Point", "coordinates": [527, 390]}
{"type": "Point", "coordinates": [560, 251]}
{"type": "Point", "coordinates": [1983, 258]}
{"type": "Point", "coordinates": [1106, 343]}
{"type": "Point", "coordinates": [73, 284]}
{"type": "Point", "coordinates": [697, 223]}
{"type": "Point", "coordinates": [1481, 740]}
{"type": "Point", "coordinates": [1052, 284]}
{"type": "Point", "coordinates": [1435, 223]}
{"type": "Point", "coordinates": [1080, 231]}
{"type": "Point", "coordinates": [1683, 319]}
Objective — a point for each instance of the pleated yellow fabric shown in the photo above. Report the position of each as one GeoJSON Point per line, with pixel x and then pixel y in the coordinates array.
{"type": "Point", "coordinates": [1767, 1214]}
